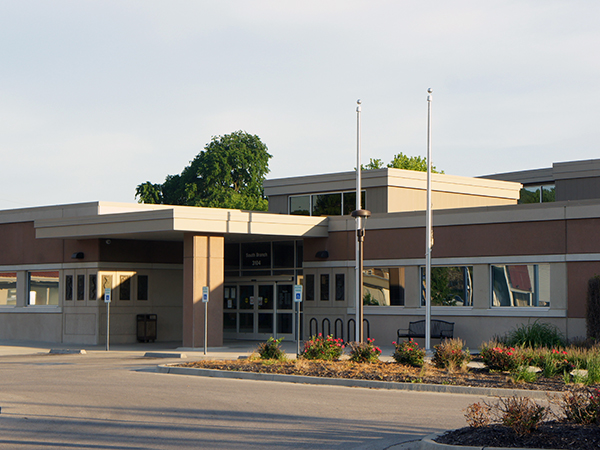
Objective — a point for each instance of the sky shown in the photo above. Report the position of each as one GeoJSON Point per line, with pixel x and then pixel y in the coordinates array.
{"type": "Point", "coordinates": [97, 97]}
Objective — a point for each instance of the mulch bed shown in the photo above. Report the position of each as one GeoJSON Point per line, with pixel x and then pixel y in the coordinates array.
{"type": "Point", "coordinates": [382, 371]}
{"type": "Point", "coordinates": [549, 435]}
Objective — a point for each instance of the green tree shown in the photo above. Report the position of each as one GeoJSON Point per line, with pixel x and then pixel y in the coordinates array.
{"type": "Point", "coordinates": [228, 173]}
{"type": "Point", "coordinates": [402, 161]}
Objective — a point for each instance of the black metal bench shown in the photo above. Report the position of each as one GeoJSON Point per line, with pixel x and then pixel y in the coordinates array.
{"type": "Point", "coordinates": [440, 329]}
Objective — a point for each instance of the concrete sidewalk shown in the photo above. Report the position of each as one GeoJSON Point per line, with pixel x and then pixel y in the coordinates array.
{"type": "Point", "coordinates": [232, 349]}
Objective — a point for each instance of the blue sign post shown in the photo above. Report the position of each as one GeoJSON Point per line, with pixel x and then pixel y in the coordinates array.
{"type": "Point", "coordinates": [297, 301]}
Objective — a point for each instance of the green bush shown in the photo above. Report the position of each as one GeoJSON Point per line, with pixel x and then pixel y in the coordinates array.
{"type": "Point", "coordinates": [271, 349]}
{"type": "Point", "coordinates": [498, 357]}
{"type": "Point", "coordinates": [409, 353]}
{"type": "Point", "coordinates": [592, 316]}
{"type": "Point", "coordinates": [534, 335]}
{"type": "Point", "coordinates": [318, 347]}
{"type": "Point", "coordinates": [364, 352]}
{"type": "Point", "coordinates": [449, 354]}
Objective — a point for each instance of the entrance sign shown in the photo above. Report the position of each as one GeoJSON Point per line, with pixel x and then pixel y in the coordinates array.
{"type": "Point", "coordinates": [205, 294]}
{"type": "Point", "coordinates": [297, 293]}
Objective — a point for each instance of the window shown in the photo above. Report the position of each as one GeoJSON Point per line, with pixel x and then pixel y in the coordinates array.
{"type": "Point", "coordinates": [68, 287]}
{"type": "Point", "coordinates": [93, 290]}
{"type": "Point", "coordinates": [310, 286]}
{"type": "Point", "coordinates": [142, 287]}
{"type": "Point", "coordinates": [325, 286]}
{"type": "Point", "coordinates": [8, 288]}
{"type": "Point", "coordinates": [383, 286]}
{"type": "Point", "coordinates": [340, 287]}
{"type": "Point", "coordinates": [80, 287]}
{"type": "Point", "coordinates": [125, 288]}
{"type": "Point", "coordinates": [521, 285]}
{"type": "Point", "coordinates": [450, 286]}
{"type": "Point", "coordinates": [43, 288]}
{"type": "Point", "coordinates": [326, 204]}
{"type": "Point", "coordinates": [531, 194]}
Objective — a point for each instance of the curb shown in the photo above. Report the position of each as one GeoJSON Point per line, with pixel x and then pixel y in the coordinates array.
{"type": "Point", "coordinates": [302, 379]}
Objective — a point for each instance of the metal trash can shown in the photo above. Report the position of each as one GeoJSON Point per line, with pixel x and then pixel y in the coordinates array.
{"type": "Point", "coordinates": [146, 327]}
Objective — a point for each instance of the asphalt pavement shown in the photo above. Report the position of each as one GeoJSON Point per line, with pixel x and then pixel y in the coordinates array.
{"type": "Point", "coordinates": [117, 400]}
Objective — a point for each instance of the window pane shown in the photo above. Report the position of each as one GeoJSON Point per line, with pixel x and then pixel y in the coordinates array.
{"type": "Point", "coordinates": [299, 253]}
{"type": "Point", "coordinates": [43, 288]}
{"type": "Point", "coordinates": [68, 287]}
{"type": "Point", "coordinates": [450, 286]}
{"type": "Point", "coordinates": [530, 194]}
{"type": "Point", "coordinates": [285, 323]}
{"type": "Point", "coordinates": [383, 286]}
{"type": "Point", "coordinates": [284, 296]}
{"type": "Point", "coordinates": [142, 287]}
{"type": "Point", "coordinates": [309, 280]}
{"type": "Point", "coordinates": [324, 286]}
{"type": "Point", "coordinates": [232, 257]}
{"type": "Point", "coordinates": [350, 202]}
{"type": "Point", "coordinates": [8, 288]}
{"type": "Point", "coordinates": [283, 254]}
{"type": "Point", "coordinates": [125, 288]}
{"type": "Point", "coordinates": [340, 287]}
{"type": "Point", "coordinates": [327, 205]}
{"type": "Point", "coordinates": [93, 294]}
{"type": "Point", "coordinates": [521, 285]}
{"type": "Point", "coordinates": [548, 193]}
{"type": "Point", "coordinates": [256, 255]}
{"type": "Point", "coordinates": [300, 205]}
{"type": "Point", "coordinates": [80, 287]}
{"type": "Point", "coordinates": [230, 297]}
{"type": "Point", "coordinates": [229, 321]}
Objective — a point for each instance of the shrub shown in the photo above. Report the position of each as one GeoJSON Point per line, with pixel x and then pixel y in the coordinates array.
{"type": "Point", "coordinates": [524, 374]}
{"type": "Point", "coordinates": [521, 414]}
{"type": "Point", "coordinates": [450, 355]}
{"type": "Point", "coordinates": [364, 351]}
{"type": "Point", "coordinates": [478, 415]}
{"type": "Point", "coordinates": [409, 353]}
{"type": "Point", "coordinates": [535, 335]}
{"type": "Point", "coordinates": [592, 316]}
{"type": "Point", "coordinates": [271, 349]}
{"type": "Point", "coordinates": [581, 406]}
{"type": "Point", "coordinates": [318, 347]}
{"type": "Point", "coordinates": [501, 358]}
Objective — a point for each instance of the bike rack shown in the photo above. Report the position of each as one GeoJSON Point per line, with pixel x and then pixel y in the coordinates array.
{"type": "Point", "coordinates": [310, 327]}
{"type": "Point", "coordinates": [328, 327]}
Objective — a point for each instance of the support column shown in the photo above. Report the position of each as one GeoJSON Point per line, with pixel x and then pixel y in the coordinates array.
{"type": "Point", "coordinates": [203, 265]}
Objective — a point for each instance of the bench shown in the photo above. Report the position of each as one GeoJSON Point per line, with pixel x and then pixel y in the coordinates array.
{"type": "Point", "coordinates": [440, 329]}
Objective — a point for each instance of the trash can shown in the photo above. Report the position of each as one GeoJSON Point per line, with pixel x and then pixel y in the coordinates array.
{"type": "Point", "coordinates": [146, 327]}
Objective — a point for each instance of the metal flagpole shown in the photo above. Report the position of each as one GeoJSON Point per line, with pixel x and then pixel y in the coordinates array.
{"type": "Point", "coordinates": [428, 232]}
{"type": "Point", "coordinates": [358, 333]}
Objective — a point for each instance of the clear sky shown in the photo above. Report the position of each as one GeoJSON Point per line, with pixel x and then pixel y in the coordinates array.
{"type": "Point", "coordinates": [99, 96]}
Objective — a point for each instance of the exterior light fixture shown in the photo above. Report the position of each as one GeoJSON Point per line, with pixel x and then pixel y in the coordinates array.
{"type": "Point", "coordinates": [361, 216]}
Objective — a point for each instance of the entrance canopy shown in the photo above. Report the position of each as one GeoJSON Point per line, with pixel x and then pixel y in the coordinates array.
{"type": "Point", "coordinates": [162, 222]}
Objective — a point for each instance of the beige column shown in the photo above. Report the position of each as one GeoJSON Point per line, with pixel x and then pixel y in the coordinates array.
{"type": "Point", "coordinates": [203, 265]}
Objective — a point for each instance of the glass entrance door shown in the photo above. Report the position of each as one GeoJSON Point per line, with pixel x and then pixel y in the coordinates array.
{"type": "Point", "coordinates": [259, 311]}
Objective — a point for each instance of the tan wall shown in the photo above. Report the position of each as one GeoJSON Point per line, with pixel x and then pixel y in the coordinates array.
{"type": "Point", "coordinates": [31, 326]}
{"type": "Point", "coordinates": [404, 199]}
{"type": "Point", "coordinates": [203, 265]}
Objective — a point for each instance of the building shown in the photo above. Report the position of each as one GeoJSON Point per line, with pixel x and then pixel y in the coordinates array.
{"type": "Point", "coordinates": [496, 263]}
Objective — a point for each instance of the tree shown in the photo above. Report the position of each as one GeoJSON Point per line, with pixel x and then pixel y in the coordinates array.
{"type": "Point", "coordinates": [401, 161]}
{"type": "Point", "coordinates": [228, 173]}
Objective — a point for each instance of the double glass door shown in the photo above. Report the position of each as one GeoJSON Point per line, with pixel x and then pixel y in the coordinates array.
{"type": "Point", "coordinates": [259, 310]}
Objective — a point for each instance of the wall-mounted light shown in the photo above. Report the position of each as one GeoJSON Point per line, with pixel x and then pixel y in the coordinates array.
{"type": "Point", "coordinates": [322, 254]}
{"type": "Point", "coordinates": [77, 255]}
